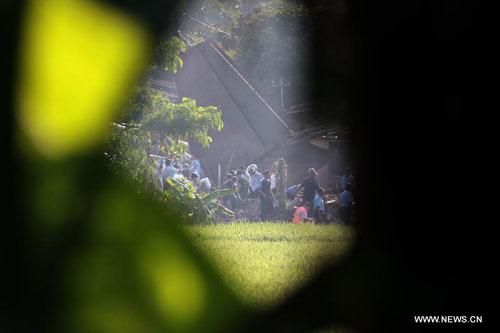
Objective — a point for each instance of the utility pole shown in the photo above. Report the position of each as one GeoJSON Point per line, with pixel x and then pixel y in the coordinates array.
{"type": "Point", "coordinates": [281, 85]}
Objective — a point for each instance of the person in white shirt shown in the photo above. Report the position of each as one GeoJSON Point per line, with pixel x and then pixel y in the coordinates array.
{"type": "Point", "coordinates": [274, 177]}
{"type": "Point", "coordinates": [255, 180]}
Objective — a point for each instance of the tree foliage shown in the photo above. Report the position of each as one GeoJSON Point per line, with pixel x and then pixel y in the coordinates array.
{"type": "Point", "coordinates": [184, 121]}
{"type": "Point", "coordinates": [127, 153]}
{"type": "Point", "coordinates": [220, 18]}
{"type": "Point", "coordinates": [151, 124]}
{"type": "Point", "coordinates": [273, 43]}
{"type": "Point", "coordinates": [181, 198]}
{"type": "Point", "coordinates": [268, 40]}
{"type": "Point", "coordinates": [167, 55]}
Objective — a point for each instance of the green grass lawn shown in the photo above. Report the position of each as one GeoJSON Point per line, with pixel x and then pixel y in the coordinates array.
{"type": "Point", "coordinates": [264, 262]}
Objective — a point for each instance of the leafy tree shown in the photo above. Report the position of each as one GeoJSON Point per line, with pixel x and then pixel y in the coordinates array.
{"type": "Point", "coordinates": [273, 43]}
{"type": "Point", "coordinates": [208, 20]}
{"type": "Point", "coordinates": [167, 55]}
{"type": "Point", "coordinates": [152, 124]}
{"type": "Point", "coordinates": [268, 40]}
{"type": "Point", "coordinates": [182, 199]}
{"type": "Point", "coordinates": [127, 154]}
{"type": "Point", "coordinates": [180, 122]}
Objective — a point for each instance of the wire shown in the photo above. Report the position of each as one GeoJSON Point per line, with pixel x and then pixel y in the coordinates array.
{"type": "Point", "coordinates": [184, 37]}
{"type": "Point", "coordinates": [248, 84]}
{"type": "Point", "coordinates": [209, 26]}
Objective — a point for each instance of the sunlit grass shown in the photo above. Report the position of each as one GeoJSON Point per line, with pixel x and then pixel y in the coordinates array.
{"type": "Point", "coordinates": [264, 262]}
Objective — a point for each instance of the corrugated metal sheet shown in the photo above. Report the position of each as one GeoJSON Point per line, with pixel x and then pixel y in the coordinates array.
{"type": "Point", "coordinates": [251, 128]}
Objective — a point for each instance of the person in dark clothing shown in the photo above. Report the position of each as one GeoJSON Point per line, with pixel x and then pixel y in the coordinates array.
{"type": "Point", "coordinates": [243, 185]}
{"type": "Point", "coordinates": [266, 197]}
{"type": "Point", "coordinates": [310, 186]}
{"type": "Point", "coordinates": [345, 200]}
{"type": "Point", "coordinates": [231, 199]}
{"type": "Point", "coordinates": [195, 179]}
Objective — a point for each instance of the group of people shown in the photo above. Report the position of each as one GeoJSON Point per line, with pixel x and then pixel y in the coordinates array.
{"type": "Point", "coordinates": [248, 182]}
{"type": "Point", "coordinates": [313, 199]}
{"type": "Point", "coordinates": [190, 169]}
{"type": "Point", "coordinates": [313, 205]}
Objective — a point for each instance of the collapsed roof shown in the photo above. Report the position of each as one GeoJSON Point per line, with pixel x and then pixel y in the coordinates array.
{"type": "Point", "coordinates": [251, 126]}
{"type": "Point", "coordinates": [253, 131]}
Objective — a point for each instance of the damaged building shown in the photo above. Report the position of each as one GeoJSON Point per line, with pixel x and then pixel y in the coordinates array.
{"type": "Point", "coordinates": [254, 131]}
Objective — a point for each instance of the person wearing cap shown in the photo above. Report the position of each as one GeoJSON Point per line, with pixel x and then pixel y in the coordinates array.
{"type": "Point", "coordinates": [255, 180]}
